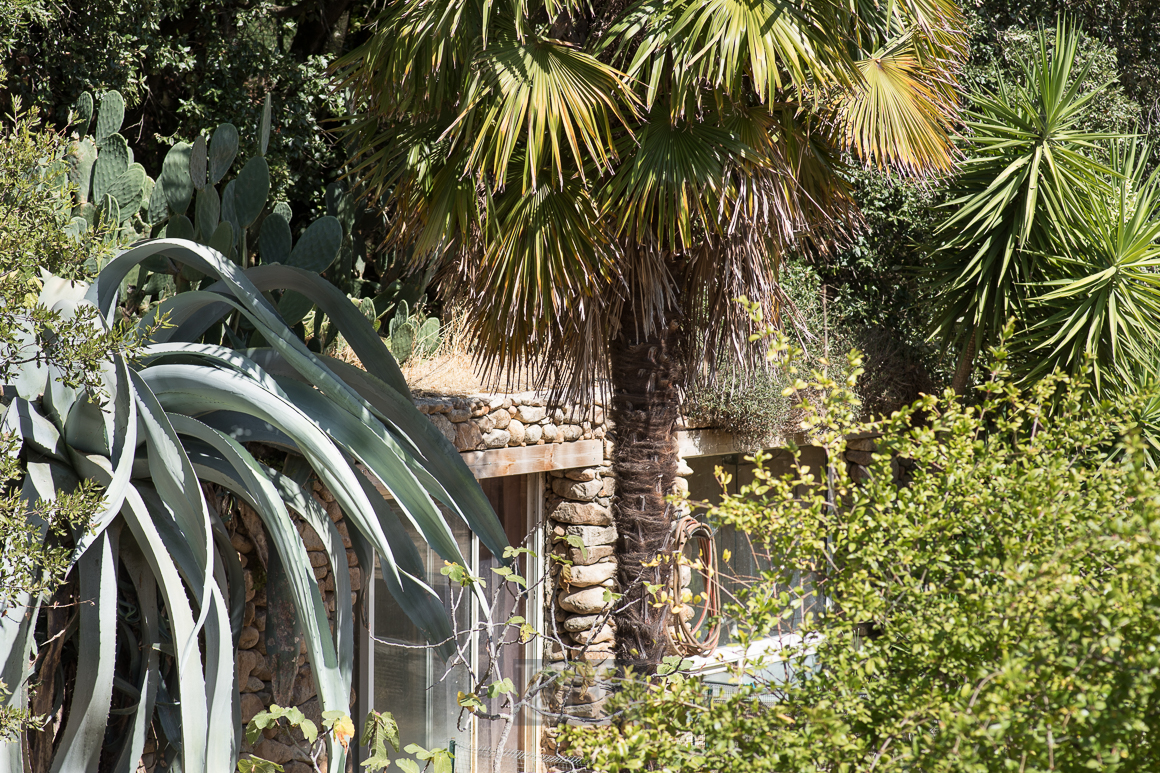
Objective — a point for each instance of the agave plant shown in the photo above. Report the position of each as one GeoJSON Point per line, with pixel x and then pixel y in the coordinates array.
{"type": "Point", "coordinates": [179, 416]}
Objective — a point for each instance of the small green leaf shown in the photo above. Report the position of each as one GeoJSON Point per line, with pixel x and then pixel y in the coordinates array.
{"type": "Point", "coordinates": [502, 687]}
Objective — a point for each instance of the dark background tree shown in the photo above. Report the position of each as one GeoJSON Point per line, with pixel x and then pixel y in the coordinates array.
{"type": "Point", "coordinates": [185, 66]}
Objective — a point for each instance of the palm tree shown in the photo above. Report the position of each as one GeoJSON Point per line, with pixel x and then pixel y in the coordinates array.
{"type": "Point", "coordinates": [600, 182]}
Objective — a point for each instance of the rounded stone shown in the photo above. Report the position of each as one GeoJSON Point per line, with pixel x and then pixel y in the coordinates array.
{"type": "Point", "coordinates": [497, 438]}
{"type": "Point", "coordinates": [533, 433]}
{"type": "Point", "coordinates": [530, 414]}
{"type": "Point", "coordinates": [515, 429]}
{"type": "Point", "coordinates": [580, 622]}
{"type": "Point", "coordinates": [500, 418]}
{"type": "Point", "coordinates": [583, 491]}
{"type": "Point", "coordinates": [593, 574]}
{"type": "Point", "coordinates": [605, 633]}
{"type": "Point", "coordinates": [582, 514]}
{"type": "Point", "coordinates": [446, 427]}
{"type": "Point", "coordinates": [248, 637]}
{"type": "Point", "coordinates": [587, 601]}
{"type": "Point", "coordinates": [550, 431]}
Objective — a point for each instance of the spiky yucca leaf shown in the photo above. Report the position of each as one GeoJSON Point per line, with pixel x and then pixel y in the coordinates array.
{"type": "Point", "coordinates": [181, 416]}
{"type": "Point", "coordinates": [1029, 162]}
{"type": "Point", "coordinates": [1097, 304]}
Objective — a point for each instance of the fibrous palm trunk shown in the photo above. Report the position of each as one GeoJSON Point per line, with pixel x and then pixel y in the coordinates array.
{"type": "Point", "coordinates": [645, 371]}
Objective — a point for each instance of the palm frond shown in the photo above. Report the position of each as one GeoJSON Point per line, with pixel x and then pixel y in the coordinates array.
{"type": "Point", "coordinates": [901, 114]}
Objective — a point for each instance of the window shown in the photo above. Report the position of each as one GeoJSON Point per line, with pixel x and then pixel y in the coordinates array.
{"type": "Point", "coordinates": [745, 560]}
{"type": "Point", "coordinates": [415, 685]}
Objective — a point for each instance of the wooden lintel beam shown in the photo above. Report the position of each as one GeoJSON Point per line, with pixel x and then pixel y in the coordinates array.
{"type": "Point", "coordinates": [501, 462]}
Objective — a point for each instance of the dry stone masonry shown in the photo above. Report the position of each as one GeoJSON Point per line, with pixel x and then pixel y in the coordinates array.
{"type": "Point", "coordinates": [255, 668]}
{"type": "Point", "coordinates": [481, 422]}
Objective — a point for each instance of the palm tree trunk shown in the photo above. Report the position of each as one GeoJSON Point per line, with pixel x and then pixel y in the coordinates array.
{"type": "Point", "coordinates": [966, 364]}
{"type": "Point", "coordinates": [645, 372]}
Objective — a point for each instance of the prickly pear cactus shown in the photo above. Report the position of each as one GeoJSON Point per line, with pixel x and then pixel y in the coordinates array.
{"type": "Point", "coordinates": [401, 338]}
{"type": "Point", "coordinates": [427, 341]}
{"type": "Point", "coordinates": [109, 185]}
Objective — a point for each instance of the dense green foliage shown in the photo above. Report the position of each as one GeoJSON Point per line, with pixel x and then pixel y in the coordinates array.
{"type": "Point", "coordinates": [184, 67]}
{"type": "Point", "coordinates": [986, 599]}
{"type": "Point", "coordinates": [1053, 223]}
{"type": "Point", "coordinates": [34, 218]}
{"type": "Point", "coordinates": [875, 282]}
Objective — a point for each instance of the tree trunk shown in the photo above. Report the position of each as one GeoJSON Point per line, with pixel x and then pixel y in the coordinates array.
{"type": "Point", "coordinates": [966, 364]}
{"type": "Point", "coordinates": [645, 372]}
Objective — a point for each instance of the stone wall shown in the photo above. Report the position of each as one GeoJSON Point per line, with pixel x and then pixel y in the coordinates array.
{"type": "Point", "coordinates": [480, 422]}
{"type": "Point", "coordinates": [255, 674]}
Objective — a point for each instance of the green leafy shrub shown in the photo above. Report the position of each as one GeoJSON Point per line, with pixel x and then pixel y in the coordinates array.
{"type": "Point", "coordinates": [987, 598]}
{"type": "Point", "coordinates": [36, 236]}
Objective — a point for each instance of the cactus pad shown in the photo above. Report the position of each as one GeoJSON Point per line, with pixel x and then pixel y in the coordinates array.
{"type": "Point", "coordinates": [83, 112]}
{"type": "Point", "coordinates": [229, 213]}
{"type": "Point", "coordinates": [264, 129]}
{"type": "Point", "coordinates": [318, 246]}
{"type": "Point", "coordinates": [275, 241]}
{"type": "Point", "coordinates": [110, 116]}
{"type": "Point", "coordinates": [223, 240]}
{"type": "Point", "coordinates": [129, 190]}
{"type": "Point", "coordinates": [174, 179]}
{"type": "Point", "coordinates": [197, 163]}
{"type": "Point", "coordinates": [81, 160]}
{"type": "Point", "coordinates": [179, 227]}
{"type": "Point", "coordinates": [109, 211]}
{"type": "Point", "coordinates": [158, 206]}
{"type": "Point", "coordinates": [111, 162]}
{"type": "Point", "coordinates": [428, 339]}
{"type": "Point", "coordinates": [283, 209]}
{"type": "Point", "coordinates": [223, 149]}
{"type": "Point", "coordinates": [251, 190]}
{"type": "Point", "coordinates": [207, 212]}
{"type": "Point", "coordinates": [402, 342]}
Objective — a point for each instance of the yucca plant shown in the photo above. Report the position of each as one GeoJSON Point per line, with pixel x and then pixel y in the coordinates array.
{"type": "Point", "coordinates": [156, 430]}
{"type": "Point", "coordinates": [1030, 168]}
{"type": "Point", "coordinates": [1095, 302]}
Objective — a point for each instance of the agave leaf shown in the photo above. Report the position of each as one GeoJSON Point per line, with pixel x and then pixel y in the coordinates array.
{"type": "Point", "coordinates": [146, 588]}
{"type": "Point", "coordinates": [248, 429]}
{"type": "Point", "coordinates": [441, 459]}
{"type": "Point", "coordinates": [221, 679]}
{"type": "Point", "coordinates": [311, 611]}
{"type": "Point", "coordinates": [398, 552]}
{"type": "Point", "coordinates": [176, 483]}
{"type": "Point", "coordinates": [194, 390]}
{"type": "Point", "coordinates": [192, 707]}
{"type": "Point", "coordinates": [352, 323]}
{"type": "Point", "coordinates": [84, 733]}
{"type": "Point", "coordinates": [374, 447]}
{"type": "Point", "coordinates": [25, 422]}
{"type": "Point", "coordinates": [366, 441]}
{"type": "Point", "coordinates": [228, 556]}
{"type": "Point", "coordinates": [256, 308]}
{"type": "Point", "coordinates": [298, 500]}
